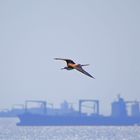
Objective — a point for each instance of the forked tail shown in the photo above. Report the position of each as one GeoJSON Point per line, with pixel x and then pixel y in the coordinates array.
{"type": "Point", "coordinates": [85, 65]}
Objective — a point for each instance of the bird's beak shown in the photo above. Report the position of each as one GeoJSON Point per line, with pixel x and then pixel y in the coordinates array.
{"type": "Point", "coordinates": [62, 68]}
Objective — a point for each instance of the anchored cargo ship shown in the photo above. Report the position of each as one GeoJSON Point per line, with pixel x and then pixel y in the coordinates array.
{"type": "Point", "coordinates": [69, 117]}
{"type": "Point", "coordinates": [41, 120]}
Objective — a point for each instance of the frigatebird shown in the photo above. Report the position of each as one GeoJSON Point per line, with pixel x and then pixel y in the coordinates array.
{"type": "Point", "coordinates": [72, 65]}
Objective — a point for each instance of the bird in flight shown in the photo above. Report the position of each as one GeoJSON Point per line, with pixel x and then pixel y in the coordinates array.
{"type": "Point", "coordinates": [72, 65]}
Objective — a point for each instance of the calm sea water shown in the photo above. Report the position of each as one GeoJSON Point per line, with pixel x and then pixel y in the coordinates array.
{"type": "Point", "coordinates": [9, 131]}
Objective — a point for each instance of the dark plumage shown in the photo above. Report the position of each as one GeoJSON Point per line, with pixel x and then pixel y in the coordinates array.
{"type": "Point", "coordinates": [72, 65]}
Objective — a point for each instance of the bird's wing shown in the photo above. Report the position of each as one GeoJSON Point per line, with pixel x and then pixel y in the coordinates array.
{"type": "Point", "coordinates": [67, 60]}
{"type": "Point", "coordinates": [79, 68]}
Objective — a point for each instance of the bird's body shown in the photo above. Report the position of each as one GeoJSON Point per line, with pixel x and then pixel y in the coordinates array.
{"type": "Point", "coordinates": [72, 65]}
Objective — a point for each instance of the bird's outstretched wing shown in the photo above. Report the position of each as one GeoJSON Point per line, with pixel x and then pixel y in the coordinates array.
{"type": "Point", "coordinates": [67, 60]}
{"type": "Point", "coordinates": [79, 68]}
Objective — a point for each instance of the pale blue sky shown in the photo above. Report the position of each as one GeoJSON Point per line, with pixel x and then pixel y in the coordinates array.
{"type": "Point", "coordinates": [103, 33]}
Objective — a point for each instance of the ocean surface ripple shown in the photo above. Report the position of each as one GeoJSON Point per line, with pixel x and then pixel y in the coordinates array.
{"type": "Point", "coordinates": [9, 131]}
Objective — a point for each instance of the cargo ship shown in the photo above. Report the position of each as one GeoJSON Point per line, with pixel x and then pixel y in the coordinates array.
{"type": "Point", "coordinates": [67, 116]}
{"type": "Point", "coordinates": [44, 120]}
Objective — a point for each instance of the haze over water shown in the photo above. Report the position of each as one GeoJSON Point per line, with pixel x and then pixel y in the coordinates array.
{"type": "Point", "coordinates": [104, 34]}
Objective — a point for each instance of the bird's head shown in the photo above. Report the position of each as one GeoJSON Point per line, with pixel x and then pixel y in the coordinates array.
{"type": "Point", "coordinates": [64, 68]}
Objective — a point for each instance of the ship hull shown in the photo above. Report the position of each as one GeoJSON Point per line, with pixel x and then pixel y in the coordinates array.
{"type": "Point", "coordinates": [45, 120]}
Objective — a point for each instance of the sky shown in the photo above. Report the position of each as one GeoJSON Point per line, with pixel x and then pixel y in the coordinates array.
{"type": "Point", "coordinates": [102, 33]}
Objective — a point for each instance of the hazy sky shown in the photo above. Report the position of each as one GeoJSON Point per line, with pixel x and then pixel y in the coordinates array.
{"type": "Point", "coordinates": [103, 33]}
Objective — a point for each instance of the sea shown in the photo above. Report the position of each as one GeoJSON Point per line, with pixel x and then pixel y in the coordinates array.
{"type": "Point", "coordinates": [10, 131]}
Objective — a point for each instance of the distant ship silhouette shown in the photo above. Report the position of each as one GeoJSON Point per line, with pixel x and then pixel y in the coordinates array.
{"type": "Point", "coordinates": [68, 116]}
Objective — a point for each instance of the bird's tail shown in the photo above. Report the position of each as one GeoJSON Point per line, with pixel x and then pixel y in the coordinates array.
{"type": "Point", "coordinates": [85, 65]}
